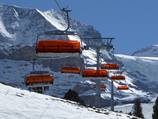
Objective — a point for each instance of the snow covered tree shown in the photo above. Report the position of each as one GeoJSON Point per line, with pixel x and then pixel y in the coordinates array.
{"type": "Point", "coordinates": [137, 109]}
{"type": "Point", "coordinates": [155, 110]}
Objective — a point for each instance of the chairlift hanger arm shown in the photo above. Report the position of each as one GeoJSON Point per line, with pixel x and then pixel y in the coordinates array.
{"type": "Point", "coordinates": [108, 43]}
{"type": "Point", "coordinates": [108, 39]}
{"type": "Point", "coordinates": [56, 32]}
{"type": "Point", "coordinates": [59, 32]}
{"type": "Point", "coordinates": [66, 11]}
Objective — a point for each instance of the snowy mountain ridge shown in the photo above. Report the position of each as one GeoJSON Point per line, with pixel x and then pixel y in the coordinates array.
{"type": "Point", "coordinates": [151, 51]}
{"type": "Point", "coordinates": [142, 70]}
{"type": "Point", "coordinates": [21, 25]}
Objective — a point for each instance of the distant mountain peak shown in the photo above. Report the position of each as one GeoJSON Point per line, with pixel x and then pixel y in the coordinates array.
{"type": "Point", "coordinates": [151, 51]}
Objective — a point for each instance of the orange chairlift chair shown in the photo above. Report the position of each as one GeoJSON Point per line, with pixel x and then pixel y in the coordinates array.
{"type": "Point", "coordinates": [39, 80]}
{"type": "Point", "coordinates": [102, 86]}
{"type": "Point", "coordinates": [122, 87]}
{"type": "Point", "coordinates": [110, 66]}
{"type": "Point", "coordinates": [58, 47]}
{"type": "Point", "coordinates": [73, 70]}
{"type": "Point", "coordinates": [94, 73]}
{"type": "Point", "coordinates": [117, 77]}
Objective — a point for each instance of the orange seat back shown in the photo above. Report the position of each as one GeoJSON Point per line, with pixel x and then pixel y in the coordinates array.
{"type": "Point", "coordinates": [123, 87]}
{"type": "Point", "coordinates": [119, 77]}
{"type": "Point", "coordinates": [110, 66]}
{"type": "Point", "coordinates": [38, 78]}
{"type": "Point", "coordinates": [94, 73]}
{"type": "Point", "coordinates": [70, 70]}
{"type": "Point", "coordinates": [58, 46]}
{"type": "Point", "coordinates": [102, 86]}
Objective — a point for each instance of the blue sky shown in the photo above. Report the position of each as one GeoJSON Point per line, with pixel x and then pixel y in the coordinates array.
{"type": "Point", "coordinates": [134, 23]}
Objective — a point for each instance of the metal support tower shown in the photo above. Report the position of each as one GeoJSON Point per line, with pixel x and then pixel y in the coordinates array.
{"type": "Point", "coordinates": [112, 95]}
{"type": "Point", "coordinates": [98, 67]}
{"type": "Point", "coordinates": [98, 93]}
{"type": "Point", "coordinates": [33, 64]}
{"type": "Point", "coordinates": [104, 45]}
{"type": "Point", "coordinates": [66, 11]}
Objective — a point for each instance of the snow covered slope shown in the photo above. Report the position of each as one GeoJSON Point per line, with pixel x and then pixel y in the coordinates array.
{"type": "Point", "coordinates": [142, 70]}
{"type": "Point", "coordinates": [147, 109]}
{"type": "Point", "coordinates": [13, 73]}
{"type": "Point", "coordinates": [20, 104]}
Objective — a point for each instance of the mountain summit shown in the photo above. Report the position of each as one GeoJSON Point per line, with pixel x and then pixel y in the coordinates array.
{"type": "Point", "coordinates": [151, 51]}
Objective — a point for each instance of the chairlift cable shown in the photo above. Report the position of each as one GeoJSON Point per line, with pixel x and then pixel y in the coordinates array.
{"type": "Point", "coordinates": [58, 5]}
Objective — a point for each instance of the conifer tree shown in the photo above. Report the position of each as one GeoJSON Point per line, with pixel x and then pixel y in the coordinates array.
{"type": "Point", "coordinates": [138, 109]}
{"type": "Point", "coordinates": [155, 110]}
{"type": "Point", "coordinates": [73, 96]}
